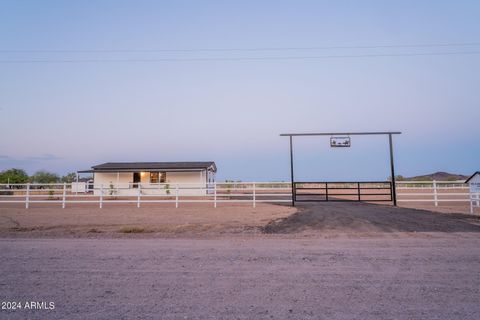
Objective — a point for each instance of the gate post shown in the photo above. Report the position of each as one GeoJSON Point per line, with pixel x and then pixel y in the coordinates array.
{"type": "Point", "coordinates": [291, 172]}
{"type": "Point", "coordinates": [392, 170]}
{"type": "Point", "coordinates": [326, 191]}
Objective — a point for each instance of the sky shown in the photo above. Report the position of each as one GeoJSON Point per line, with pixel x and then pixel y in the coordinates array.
{"type": "Point", "coordinates": [87, 82]}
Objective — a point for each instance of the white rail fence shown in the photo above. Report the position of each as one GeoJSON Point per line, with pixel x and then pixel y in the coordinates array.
{"type": "Point", "coordinates": [138, 193]}
{"type": "Point", "coordinates": [437, 192]}
{"type": "Point", "coordinates": [432, 192]}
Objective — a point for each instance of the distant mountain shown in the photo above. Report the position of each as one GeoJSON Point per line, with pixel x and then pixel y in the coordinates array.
{"type": "Point", "coordinates": [438, 176]}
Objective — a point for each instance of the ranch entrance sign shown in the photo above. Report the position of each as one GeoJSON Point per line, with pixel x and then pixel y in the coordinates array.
{"type": "Point", "coordinates": [340, 142]}
{"type": "Point", "coordinates": [356, 190]}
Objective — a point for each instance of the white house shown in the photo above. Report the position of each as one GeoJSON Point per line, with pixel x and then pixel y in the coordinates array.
{"type": "Point", "coordinates": [474, 182]}
{"type": "Point", "coordinates": [130, 178]}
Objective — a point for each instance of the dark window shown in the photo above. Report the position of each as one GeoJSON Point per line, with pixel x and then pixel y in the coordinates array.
{"type": "Point", "coordinates": [136, 179]}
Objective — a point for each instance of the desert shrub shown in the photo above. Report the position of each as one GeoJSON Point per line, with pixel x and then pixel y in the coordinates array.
{"type": "Point", "coordinates": [132, 230]}
{"type": "Point", "coordinates": [167, 188]}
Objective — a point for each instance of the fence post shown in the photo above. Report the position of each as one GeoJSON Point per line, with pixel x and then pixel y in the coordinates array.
{"type": "Point", "coordinates": [435, 196]}
{"type": "Point", "coordinates": [139, 193]}
{"type": "Point", "coordinates": [64, 194]}
{"type": "Point", "coordinates": [358, 190]}
{"type": "Point", "coordinates": [176, 196]}
{"type": "Point", "coordinates": [27, 197]}
{"type": "Point", "coordinates": [101, 195]}
{"type": "Point", "coordinates": [215, 194]}
{"type": "Point", "coordinates": [470, 196]}
{"type": "Point", "coordinates": [254, 196]}
{"type": "Point", "coordinates": [326, 191]}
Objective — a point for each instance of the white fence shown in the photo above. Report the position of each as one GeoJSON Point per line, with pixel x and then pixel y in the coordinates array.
{"type": "Point", "coordinates": [433, 192]}
{"type": "Point", "coordinates": [138, 193]}
{"type": "Point", "coordinates": [437, 192]}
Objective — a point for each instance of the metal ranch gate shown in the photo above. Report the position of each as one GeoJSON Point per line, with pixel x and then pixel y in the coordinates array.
{"type": "Point", "coordinates": [343, 191]}
{"type": "Point", "coordinates": [328, 191]}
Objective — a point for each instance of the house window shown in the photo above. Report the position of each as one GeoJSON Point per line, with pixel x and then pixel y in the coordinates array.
{"type": "Point", "coordinates": [153, 177]}
{"type": "Point", "coordinates": [157, 177]}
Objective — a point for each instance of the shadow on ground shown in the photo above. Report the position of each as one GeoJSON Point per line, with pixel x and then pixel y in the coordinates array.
{"type": "Point", "coordinates": [365, 217]}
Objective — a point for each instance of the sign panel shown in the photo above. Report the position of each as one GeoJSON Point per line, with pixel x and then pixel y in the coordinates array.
{"type": "Point", "coordinates": [340, 142]}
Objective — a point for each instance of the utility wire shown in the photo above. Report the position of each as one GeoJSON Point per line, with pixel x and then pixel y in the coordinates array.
{"type": "Point", "coordinates": [464, 44]}
{"type": "Point", "coordinates": [239, 58]}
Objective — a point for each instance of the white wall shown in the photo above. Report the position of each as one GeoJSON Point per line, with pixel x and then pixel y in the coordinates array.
{"type": "Point", "coordinates": [474, 184]}
{"type": "Point", "coordinates": [189, 182]}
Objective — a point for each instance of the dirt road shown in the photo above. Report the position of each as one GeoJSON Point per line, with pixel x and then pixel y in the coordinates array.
{"type": "Point", "coordinates": [432, 276]}
{"type": "Point", "coordinates": [318, 261]}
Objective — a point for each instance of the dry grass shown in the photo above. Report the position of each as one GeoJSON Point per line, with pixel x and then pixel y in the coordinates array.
{"type": "Point", "coordinates": [132, 230]}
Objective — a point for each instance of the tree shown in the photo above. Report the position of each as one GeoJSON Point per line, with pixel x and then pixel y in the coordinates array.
{"type": "Point", "coordinates": [44, 177]}
{"type": "Point", "coordinates": [397, 178]}
{"type": "Point", "coordinates": [70, 177]}
{"type": "Point", "coordinates": [13, 176]}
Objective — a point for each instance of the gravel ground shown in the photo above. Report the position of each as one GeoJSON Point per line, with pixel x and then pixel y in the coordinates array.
{"type": "Point", "coordinates": [427, 276]}
{"type": "Point", "coordinates": [157, 220]}
{"type": "Point", "coordinates": [318, 261]}
{"type": "Point", "coordinates": [203, 221]}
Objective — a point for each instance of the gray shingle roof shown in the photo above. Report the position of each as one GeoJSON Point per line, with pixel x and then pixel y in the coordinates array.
{"type": "Point", "coordinates": [155, 165]}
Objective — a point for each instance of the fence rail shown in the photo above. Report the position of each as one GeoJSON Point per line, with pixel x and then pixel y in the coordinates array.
{"type": "Point", "coordinates": [434, 192]}
{"type": "Point", "coordinates": [138, 193]}
{"type": "Point", "coordinates": [437, 192]}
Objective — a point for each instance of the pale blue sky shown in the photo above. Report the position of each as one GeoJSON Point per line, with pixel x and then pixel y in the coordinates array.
{"type": "Point", "coordinates": [68, 116]}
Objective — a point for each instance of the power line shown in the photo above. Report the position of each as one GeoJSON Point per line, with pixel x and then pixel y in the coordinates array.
{"type": "Point", "coordinates": [238, 58]}
{"type": "Point", "coordinates": [464, 44]}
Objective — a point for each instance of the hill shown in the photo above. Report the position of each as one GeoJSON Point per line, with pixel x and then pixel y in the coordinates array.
{"type": "Point", "coordinates": [438, 176]}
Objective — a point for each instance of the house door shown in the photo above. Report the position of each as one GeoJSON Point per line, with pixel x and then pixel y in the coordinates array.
{"type": "Point", "coordinates": [136, 179]}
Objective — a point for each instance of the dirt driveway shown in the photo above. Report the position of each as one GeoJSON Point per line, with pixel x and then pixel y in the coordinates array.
{"type": "Point", "coordinates": [364, 218]}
